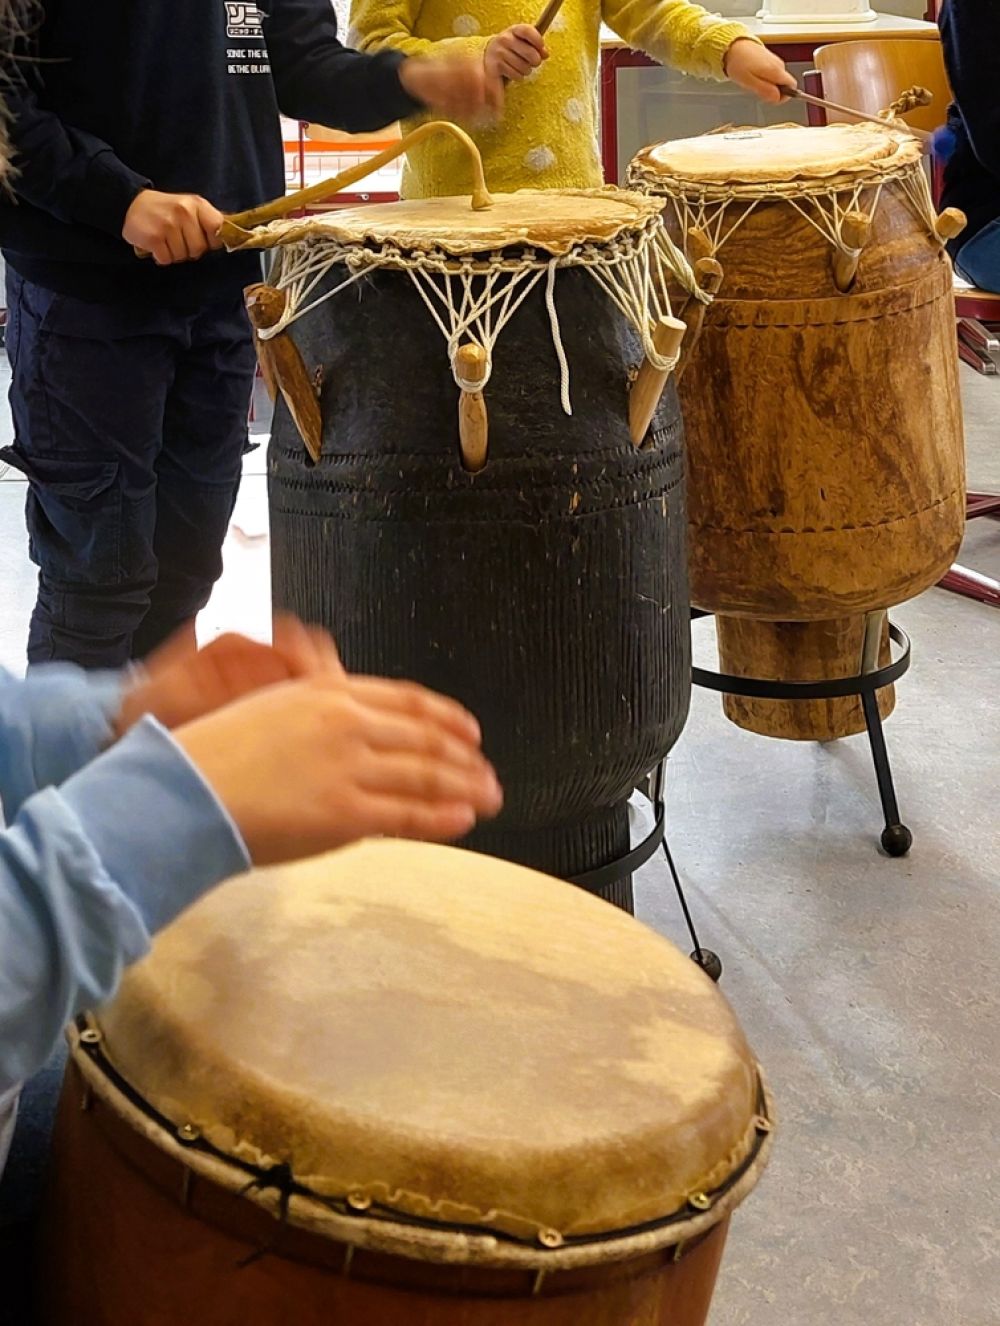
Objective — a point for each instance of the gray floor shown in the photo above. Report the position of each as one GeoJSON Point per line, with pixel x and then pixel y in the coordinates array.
{"type": "Point", "coordinates": [869, 987]}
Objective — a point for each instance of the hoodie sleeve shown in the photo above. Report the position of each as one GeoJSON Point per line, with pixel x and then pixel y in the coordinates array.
{"type": "Point", "coordinates": [88, 873]}
{"type": "Point", "coordinates": [52, 723]}
{"type": "Point", "coordinates": [319, 79]}
{"type": "Point", "coordinates": [73, 175]}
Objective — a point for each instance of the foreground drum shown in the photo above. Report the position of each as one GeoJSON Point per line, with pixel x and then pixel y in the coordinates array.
{"type": "Point", "coordinates": [476, 516]}
{"type": "Point", "coordinates": [403, 1086]}
{"type": "Point", "coordinates": [821, 403]}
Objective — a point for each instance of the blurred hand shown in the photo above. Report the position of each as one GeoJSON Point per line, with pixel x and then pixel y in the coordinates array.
{"type": "Point", "coordinates": [515, 52]}
{"type": "Point", "coordinates": [172, 227]}
{"type": "Point", "coordinates": [180, 683]}
{"type": "Point", "coordinates": [453, 89]}
{"type": "Point", "coordinates": [753, 67]}
{"type": "Point", "coordinates": [313, 765]}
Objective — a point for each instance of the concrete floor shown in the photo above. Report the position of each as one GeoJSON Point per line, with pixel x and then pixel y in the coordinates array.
{"type": "Point", "coordinates": [869, 987]}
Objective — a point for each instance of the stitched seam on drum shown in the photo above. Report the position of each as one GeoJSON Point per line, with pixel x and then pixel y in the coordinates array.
{"type": "Point", "coordinates": [822, 529]}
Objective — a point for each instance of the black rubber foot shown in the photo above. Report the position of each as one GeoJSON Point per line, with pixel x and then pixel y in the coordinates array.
{"type": "Point", "coordinates": [709, 962]}
{"type": "Point", "coordinates": [896, 840]}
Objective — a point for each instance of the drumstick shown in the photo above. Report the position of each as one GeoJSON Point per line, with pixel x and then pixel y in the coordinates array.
{"type": "Point", "coordinates": [236, 224]}
{"type": "Point", "coordinates": [548, 16]}
{"type": "Point", "coordinates": [920, 134]}
{"type": "Point", "coordinates": [545, 21]}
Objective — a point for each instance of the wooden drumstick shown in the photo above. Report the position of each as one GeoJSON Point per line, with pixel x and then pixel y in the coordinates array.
{"type": "Point", "coordinates": [854, 231]}
{"type": "Point", "coordinates": [282, 364]}
{"type": "Point", "coordinates": [234, 228]}
{"type": "Point", "coordinates": [548, 16]}
{"type": "Point", "coordinates": [709, 275]}
{"type": "Point", "coordinates": [950, 223]}
{"type": "Point", "coordinates": [545, 22]}
{"type": "Point", "coordinates": [648, 386]}
{"type": "Point", "coordinates": [799, 95]}
{"type": "Point", "coordinates": [473, 420]}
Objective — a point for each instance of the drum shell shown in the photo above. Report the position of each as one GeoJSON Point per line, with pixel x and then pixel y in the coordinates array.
{"type": "Point", "coordinates": [548, 592]}
{"type": "Point", "coordinates": [825, 446]}
{"type": "Point", "coordinates": [137, 1238]}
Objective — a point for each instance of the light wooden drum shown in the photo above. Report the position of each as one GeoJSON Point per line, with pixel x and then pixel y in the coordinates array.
{"type": "Point", "coordinates": [821, 404]}
{"type": "Point", "coordinates": [409, 1085]}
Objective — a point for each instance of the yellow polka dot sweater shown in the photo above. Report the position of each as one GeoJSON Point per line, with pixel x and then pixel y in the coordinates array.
{"type": "Point", "coordinates": [548, 137]}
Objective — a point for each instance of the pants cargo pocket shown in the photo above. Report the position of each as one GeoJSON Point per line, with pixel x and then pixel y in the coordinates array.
{"type": "Point", "coordinates": [74, 516]}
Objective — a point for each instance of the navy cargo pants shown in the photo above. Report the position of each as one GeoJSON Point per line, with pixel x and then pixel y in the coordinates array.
{"type": "Point", "coordinates": [130, 424]}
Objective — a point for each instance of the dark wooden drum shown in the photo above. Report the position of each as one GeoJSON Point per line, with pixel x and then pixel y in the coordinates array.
{"type": "Point", "coordinates": [402, 1085]}
{"type": "Point", "coordinates": [476, 516]}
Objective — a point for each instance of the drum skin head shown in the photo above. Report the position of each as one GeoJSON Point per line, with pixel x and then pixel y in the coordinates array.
{"type": "Point", "coordinates": [445, 1035]}
{"type": "Point", "coordinates": [782, 153]}
{"type": "Point", "coordinates": [552, 220]}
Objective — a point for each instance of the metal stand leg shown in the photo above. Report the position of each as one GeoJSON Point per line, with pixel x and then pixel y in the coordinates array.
{"type": "Point", "coordinates": [709, 962]}
{"type": "Point", "coordinates": [896, 837]}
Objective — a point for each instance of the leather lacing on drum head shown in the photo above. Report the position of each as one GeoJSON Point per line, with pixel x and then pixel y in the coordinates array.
{"type": "Point", "coordinates": [471, 298]}
{"type": "Point", "coordinates": [718, 210]}
{"type": "Point", "coordinates": [356, 1219]}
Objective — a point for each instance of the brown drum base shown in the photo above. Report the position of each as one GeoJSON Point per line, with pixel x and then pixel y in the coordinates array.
{"type": "Point", "coordinates": [798, 651]}
{"type": "Point", "coordinates": [121, 1250]}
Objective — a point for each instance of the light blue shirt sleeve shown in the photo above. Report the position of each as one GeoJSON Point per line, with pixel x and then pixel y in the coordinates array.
{"type": "Point", "coordinates": [90, 870]}
{"type": "Point", "coordinates": [52, 723]}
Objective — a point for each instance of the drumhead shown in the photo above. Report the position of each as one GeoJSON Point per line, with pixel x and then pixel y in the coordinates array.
{"type": "Point", "coordinates": [783, 153]}
{"type": "Point", "coordinates": [553, 221]}
{"type": "Point", "coordinates": [432, 1034]}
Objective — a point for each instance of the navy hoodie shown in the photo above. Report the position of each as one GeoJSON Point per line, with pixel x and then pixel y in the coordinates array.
{"type": "Point", "coordinates": [970, 36]}
{"type": "Point", "coordinates": [109, 97]}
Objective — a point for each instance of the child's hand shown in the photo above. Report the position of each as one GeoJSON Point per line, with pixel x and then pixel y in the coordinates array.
{"type": "Point", "coordinates": [453, 89]}
{"type": "Point", "coordinates": [753, 67]}
{"type": "Point", "coordinates": [173, 227]}
{"type": "Point", "coordinates": [180, 683]}
{"type": "Point", "coordinates": [515, 52]}
{"type": "Point", "coordinates": [314, 765]}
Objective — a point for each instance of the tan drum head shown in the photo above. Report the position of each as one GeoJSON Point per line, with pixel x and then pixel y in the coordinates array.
{"type": "Point", "coordinates": [553, 221]}
{"type": "Point", "coordinates": [782, 154]}
{"type": "Point", "coordinates": [437, 1035]}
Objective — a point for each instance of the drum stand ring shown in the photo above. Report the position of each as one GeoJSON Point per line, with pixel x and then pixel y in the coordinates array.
{"type": "Point", "coordinates": [896, 838]}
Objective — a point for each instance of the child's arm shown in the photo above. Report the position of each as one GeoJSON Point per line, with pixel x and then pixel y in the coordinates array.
{"type": "Point", "coordinates": [387, 25]}
{"type": "Point", "coordinates": [684, 35]}
{"type": "Point", "coordinates": [90, 870]}
{"type": "Point", "coordinates": [377, 25]}
{"type": "Point", "coordinates": [51, 725]}
{"type": "Point", "coordinates": [71, 174]}
{"type": "Point", "coordinates": [319, 79]}
{"type": "Point", "coordinates": [970, 32]}
{"type": "Point", "coordinates": [87, 873]}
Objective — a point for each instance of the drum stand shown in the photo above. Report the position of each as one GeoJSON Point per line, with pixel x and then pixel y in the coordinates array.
{"type": "Point", "coordinates": [654, 790]}
{"type": "Point", "coordinates": [896, 837]}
